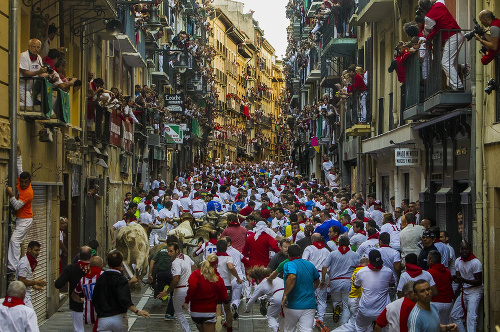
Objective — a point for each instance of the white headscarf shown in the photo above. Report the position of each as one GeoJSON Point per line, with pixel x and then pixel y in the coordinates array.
{"type": "Point", "coordinates": [259, 228]}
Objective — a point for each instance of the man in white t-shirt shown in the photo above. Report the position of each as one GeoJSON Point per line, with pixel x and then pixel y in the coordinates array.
{"type": "Point", "coordinates": [146, 218]}
{"type": "Point", "coordinates": [375, 280]}
{"type": "Point", "coordinates": [411, 235]}
{"type": "Point", "coordinates": [469, 272]}
{"type": "Point", "coordinates": [25, 271]}
{"type": "Point", "coordinates": [370, 243]}
{"type": "Point", "coordinates": [30, 65]}
{"type": "Point", "coordinates": [15, 315]}
{"type": "Point", "coordinates": [238, 259]}
{"type": "Point", "coordinates": [227, 272]}
{"type": "Point", "coordinates": [414, 272]}
{"type": "Point", "coordinates": [177, 208]}
{"type": "Point", "coordinates": [391, 259]}
{"type": "Point", "coordinates": [182, 266]}
{"type": "Point", "coordinates": [317, 253]}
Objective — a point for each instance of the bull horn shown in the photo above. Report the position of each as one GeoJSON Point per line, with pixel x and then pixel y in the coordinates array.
{"type": "Point", "coordinates": [176, 219]}
{"type": "Point", "coordinates": [198, 220]}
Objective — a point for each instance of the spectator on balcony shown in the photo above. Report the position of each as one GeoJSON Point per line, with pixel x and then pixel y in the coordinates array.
{"type": "Point", "coordinates": [30, 65]}
{"type": "Point", "coordinates": [60, 67]}
{"type": "Point", "coordinates": [438, 18]}
{"type": "Point", "coordinates": [489, 41]}
{"type": "Point", "coordinates": [358, 86]}
{"type": "Point", "coordinates": [50, 34]}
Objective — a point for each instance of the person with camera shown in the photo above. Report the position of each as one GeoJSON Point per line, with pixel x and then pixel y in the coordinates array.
{"type": "Point", "coordinates": [488, 41]}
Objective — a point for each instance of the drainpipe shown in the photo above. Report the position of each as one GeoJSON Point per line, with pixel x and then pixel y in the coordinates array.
{"type": "Point", "coordinates": [13, 88]}
{"type": "Point", "coordinates": [481, 186]}
{"type": "Point", "coordinates": [83, 125]}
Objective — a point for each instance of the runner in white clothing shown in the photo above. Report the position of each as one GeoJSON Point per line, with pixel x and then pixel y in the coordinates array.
{"type": "Point", "coordinates": [388, 226]}
{"type": "Point", "coordinates": [414, 272]}
{"type": "Point", "coordinates": [375, 280]}
{"type": "Point", "coordinates": [274, 288]}
{"type": "Point", "coordinates": [317, 254]}
{"type": "Point", "coordinates": [238, 259]}
{"type": "Point", "coordinates": [14, 314]}
{"type": "Point", "coordinates": [370, 243]}
{"type": "Point", "coordinates": [340, 265]}
{"type": "Point", "coordinates": [182, 266]}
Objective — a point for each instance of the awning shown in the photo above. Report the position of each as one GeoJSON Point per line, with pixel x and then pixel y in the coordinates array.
{"type": "Point", "coordinates": [401, 135]}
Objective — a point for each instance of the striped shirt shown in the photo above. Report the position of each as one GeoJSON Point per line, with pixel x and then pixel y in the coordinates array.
{"type": "Point", "coordinates": [421, 320]}
{"type": "Point", "coordinates": [86, 286]}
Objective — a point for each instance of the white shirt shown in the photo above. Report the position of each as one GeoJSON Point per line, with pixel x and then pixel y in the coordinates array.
{"type": "Point", "coordinates": [445, 253]}
{"type": "Point", "coordinates": [357, 239]}
{"type": "Point", "coordinates": [393, 231]}
{"type": "Point", "coordinates": [332, 245]}
{"type": "Point", "coordinates": [315, 256]}
{"type": "Point", "coordinates": [206, 248]}
{"type": "Point", "coordinates": [300, 235]}
{"type": "Point", "coordinates": [141, 207]}
{"type": "Point", "coordinates": [176, 207]}
{"type": "Point", "coordinates": [186, 203]}
{"type": "Point", "coordinates": [182, 268]}
{"type": "Point", "coordinates": [377, 216]}
{"type": "Point", "coordinates": [266, 288]}
{"type": "Point", "coordinates": [405, 277]}
{"type": "Point", "coordinates": [467, 271]}
{"type": "Point", "coordinates": [409, 238]}
{"type": "Point", "coordinates": [24, 270]}
{"type": "Point", "coordinates": [367, 246]}
{"type": "Point", "coordinates": [198, 206]}
{"type": "Point", "coordinates": [341, 266]}
{"type": "Point", "coordinates": [451, 265]}
{"type": "Point", "coordinates": [122, 223]}
{"type": "Point", "coordinates": [237, 257]}
{"type": "Point", "coordinates": [145, 218]}
{"type": "Point", "coordinates": [165, 213]}
{"type": "Point", "coordinates": [389, 257]}
{"type": "Point", "coordinates": [18, 319]}
{"type": "Point", "coordinates": [375, 285]}
{"type": "Point", "coordinates": [223, 269]}
{"type": "Point", "coordinates": [156, 184]}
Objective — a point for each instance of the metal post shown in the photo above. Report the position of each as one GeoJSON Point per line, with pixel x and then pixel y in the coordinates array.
{"type": "Point", "coordinates": [83, 125]}
{"type": "Point", "coordinates": [13, 88]}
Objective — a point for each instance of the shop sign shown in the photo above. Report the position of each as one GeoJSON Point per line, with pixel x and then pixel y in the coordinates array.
{"type": "Point", "coordinates": [407, 157]}
{"type": "Point", "coordinates": [173, 134]}
{"type": "Point", "coordinates": [174, 102]}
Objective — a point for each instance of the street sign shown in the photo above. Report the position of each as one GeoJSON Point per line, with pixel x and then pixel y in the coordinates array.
{"type": "Point", "coordinates": [173, 134]}
{"type": "Point", "coordinates": [174, 102]}
{"type": "Point", "coordinates": [407, 157]}
{"type": "Point", "coordinates": [183, 126]}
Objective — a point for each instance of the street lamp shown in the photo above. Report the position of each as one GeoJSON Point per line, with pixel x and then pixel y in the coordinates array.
{"type": "Point", "coordinates": [154, 25]}
{"type": "Point", "coordinates": [183, 63]}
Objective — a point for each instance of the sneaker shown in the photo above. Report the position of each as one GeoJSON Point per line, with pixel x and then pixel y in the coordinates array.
{"type": "Point", "coordinates": [321, 326]}
{"type": "Point", "coordinates": [234, 311]}
{"type": "Point", "coordinates": [169, 317]}
{"type": "Point", "coordinates": [263, 307]}
{"type": "Point", "coordinates": [336, 314]}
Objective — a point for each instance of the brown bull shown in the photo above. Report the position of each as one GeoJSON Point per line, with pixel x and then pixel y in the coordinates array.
{"type": "Point", "coordinates": [132, 241]}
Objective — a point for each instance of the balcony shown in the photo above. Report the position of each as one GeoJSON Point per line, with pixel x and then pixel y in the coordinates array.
{"type": "Point", "coordinates": [332, 29]}
{"type": "Point", "coordinates": [428, 91]}
{"type": "Point", "coordinates": [313, 71]}
{"type": "Point", "coordinates": [331, 69]}
{"type": "Point", "coordinates": [133, 52]}
{"type": "Point", "coordinates": [40, 100]}
{"type": "Point", "coordinates": [358, 115]}
{"type": "Point", "coordinates": [374, 10]}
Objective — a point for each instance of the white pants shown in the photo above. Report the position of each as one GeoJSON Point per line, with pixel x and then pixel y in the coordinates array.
{"type": "Point", "coordinates": [364, 323]}
{"type": "Point", "coordinates": [470, 301]}
{"type": "Point", "coordinates": [444, 310]}
{"type": "Point", "coordinates": [362, 107]}
{"type": "Point", "coordinates": [449, 62]}
{"type": "Point", "coordinates": [27, 300]}
{"type": "Point", "coordinates": [117, 323]}
{"type": "Point", "coordinates": [273, 311]}
{"type": "Point", "coordinates": [341, 298]}
{"type": "Point", "coordinates": [321, 295]}
{"type": "Point", "coordinates": [198, 215]}
{"type": "Point", "coordinates": [301, 319]}
{"type": "Point", "coordinates": [77, 318]}
{"type": "Point", "coordinates": [22, 229]}
{"type": "Point", "coordinates": [350, 326]}
{"type": "Point", "coordinates": [426, 57]}
{"type": "Point", "coordinates": [237, 290]}
{"type": "Point", "coordinates": [178, 300]}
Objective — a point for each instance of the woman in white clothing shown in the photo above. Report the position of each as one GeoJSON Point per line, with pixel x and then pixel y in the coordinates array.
{"type": "Point", "coordinates": [273, 289]}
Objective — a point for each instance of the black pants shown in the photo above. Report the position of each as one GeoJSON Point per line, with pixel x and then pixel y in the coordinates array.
{"type": "Point", "coordinates": [164, 278]}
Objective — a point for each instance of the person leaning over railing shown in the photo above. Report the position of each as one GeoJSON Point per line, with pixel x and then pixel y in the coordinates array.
{"type": "Point", "coordinates": [30, 65]}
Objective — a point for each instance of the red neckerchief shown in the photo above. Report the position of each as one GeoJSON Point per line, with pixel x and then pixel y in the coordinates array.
{"type": "Point", "coordinates": [33, 57]}
{"type": "Point", "coordinates": [471, 257]}
{"type": "Point", "coordinates": [371, 267]}
{"type": "Point", "coordinates": [184, 196]}
{"type": "Point", "coordinates": [385, 246]}
{"type": "Point", "coordinates": [437, 240]}
{"type": "Point", "coordinates": [374, 236]}
{"type": "Point", "coordinates": [413, 270]}
{"type": "Point", "coordinates": [344, 249]}
{"type": "Point", "coordinates": [85, 266]}
{"type": "Point", "coordinates": [33, 262]}
{"type": "Point", "coordinates": [335, 239]}
{"type": "Point", "coordinates": [318, 244]}
{"type": "Point", "coordinates": [361, 231]}
{"type": "Point", "coordinates": [180, 256]}
{"type": "Point", "coordinates": [94, 270]}
{"type": "Point", "coordinates": [213, 241]}
{"type": "Point", "coordinates": [11, 301]}
{"type": "Point", "coordinates": [234, 223]}
{"type": "Point", "coordinates": [221, 254]}
{"type": "Point", "coordinates": [292, 259]}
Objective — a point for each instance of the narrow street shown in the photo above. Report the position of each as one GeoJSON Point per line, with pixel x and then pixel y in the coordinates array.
{"type": "Point", "coordinates": [143, 299]}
